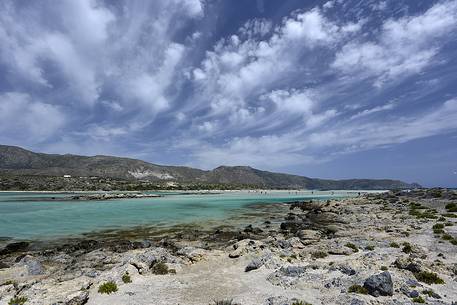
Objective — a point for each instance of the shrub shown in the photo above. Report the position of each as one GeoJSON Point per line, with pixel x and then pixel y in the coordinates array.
{"type": "Point", "coordinates": [9, 282]}
{"type": "Point", "coordinates": [438, 226]}
{"type": "Point", "coordinates": [224, 302]}
{"type": "Point", "coordinates": [17, 301]}
{"type": "Point", "coordinates": [394, 245]}
{"type": "Point", "coordinates": [319, 254]}
{"type": "Point", "coordinates": [450, 215]}
{"type": "Point", "coordinates": [428, 277]}
{"type": "Point", "coordinates": [407, 248]}
{"type": "Point", "coordinates": [369, 248]}
{"type": "Point", "coordinates": [384, 268]}
{"type": "Point", "coordinates": [108, 287]}
{"type": "Point", "coordinates": [160, 268]}
{"type": "Point", "coordinates": [126, 278]}
{"type": "Point", "coordinates": [418, 299]}
{"type": "Point", "coordinates": [301, 303]}
{"type": "Point", "coordinates": [442, 218]}
{"type": "Point", "coordinates": [447, 237]}
{"type": "Point", "coordinates": [451, 207]}
{"type": "Point", "coordinates": [352, 246]}
{"type": "Point", "coordinates": [357, 289]}
{"type": "Point", "coordinates": [448, 224]}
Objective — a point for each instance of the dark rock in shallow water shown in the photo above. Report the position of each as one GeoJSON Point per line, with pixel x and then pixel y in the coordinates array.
{"type": "Point", "coordinates": [14, 247]}
{"type": "Point", "coordinates": [379, 284]}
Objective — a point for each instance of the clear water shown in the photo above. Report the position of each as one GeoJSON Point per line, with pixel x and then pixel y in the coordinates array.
{"type": "Point", "coordinates": [33, 216]}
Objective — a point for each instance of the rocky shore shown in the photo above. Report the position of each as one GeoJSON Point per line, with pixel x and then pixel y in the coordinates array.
{"type": "Point", "coordinates": [392, 248]}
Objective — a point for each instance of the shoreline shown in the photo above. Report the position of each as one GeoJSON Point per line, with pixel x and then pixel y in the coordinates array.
{"type": "Point", "coordinates": [388, 248]}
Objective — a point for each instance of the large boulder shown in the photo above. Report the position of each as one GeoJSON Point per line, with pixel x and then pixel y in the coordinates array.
{"type": "Point", "coordinates": [379, 284]}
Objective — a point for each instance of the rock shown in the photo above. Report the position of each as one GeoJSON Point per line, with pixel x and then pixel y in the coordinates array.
{"type": "Point", "coordinates": [379, 284]}
{"type": "Point", "coordinates": [296, 243]}
{"type": "Point", "coordinates": [407, 264]}
{"type": "Point", "coordinates": [242, 247]}
{"type": "Point", "coordinates": [192, 253]}
{"type": "Point", "coordinates": [347, 270]}
{"type": "Point", "coordinates": [253, 265]}
{"type": "Point", "coordinates": [280, 300]}
{"type": "Point", "coordinates": [77, 298]}
{"type": "Point", "coordinates": [413, 294]}
{"type": "Point", "coordinates": [34, 267]}
{"type": "Point", "coordinates": [14, 247]}
{"type": "Point", "coordinates": [291, 225]}
{"type": "Point", "coordinates": [308, 236]}
{"type": "Point", "coordinates": [357, 302]}
{"type": "Point", "coordinates": [3, 265]}
{"type": "Point", "coordinates": [283, 244]}
{"type": "Point", "coordinates": [293, 271]}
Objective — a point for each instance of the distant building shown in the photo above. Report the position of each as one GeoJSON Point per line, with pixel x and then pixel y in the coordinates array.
{"type": "Point", "coordinates": [67, 176]}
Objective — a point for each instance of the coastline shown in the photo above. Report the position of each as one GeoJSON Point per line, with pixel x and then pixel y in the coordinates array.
{"type": "Point", "coordinates": [314, 252]}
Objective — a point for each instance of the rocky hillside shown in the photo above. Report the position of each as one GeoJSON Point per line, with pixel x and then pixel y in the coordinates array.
{"type": "Point", "coordinates": [18, 161]}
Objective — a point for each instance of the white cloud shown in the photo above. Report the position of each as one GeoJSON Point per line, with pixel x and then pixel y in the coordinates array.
{"type": "Point", "coordinates": [406, 45]}
{"type": "Point", "coordinates": [24, 119]}
{"type": "Point", "coordinates": [366, 112]}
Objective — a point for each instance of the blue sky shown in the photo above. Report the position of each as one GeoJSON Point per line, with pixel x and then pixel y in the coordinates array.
{"type": "Point", "coordinates": [331, 89]}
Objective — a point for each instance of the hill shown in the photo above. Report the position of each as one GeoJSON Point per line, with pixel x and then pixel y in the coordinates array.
{"type": "Point", "coordinates": [21, 162]}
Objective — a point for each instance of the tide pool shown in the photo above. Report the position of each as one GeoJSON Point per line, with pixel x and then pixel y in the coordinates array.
{"type": "Point", "coordinates": [34, 216]}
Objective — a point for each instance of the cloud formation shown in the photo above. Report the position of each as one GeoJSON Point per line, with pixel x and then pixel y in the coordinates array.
{"type": "Point", "coordinates": [171, 82]}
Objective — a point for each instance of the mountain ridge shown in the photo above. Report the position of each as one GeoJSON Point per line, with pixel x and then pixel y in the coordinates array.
{"type": "Point", "coordinates": [15, 160]}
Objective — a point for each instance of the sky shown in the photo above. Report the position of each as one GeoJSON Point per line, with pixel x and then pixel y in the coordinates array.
{"type": "Point", "coordinates": [328, 89]}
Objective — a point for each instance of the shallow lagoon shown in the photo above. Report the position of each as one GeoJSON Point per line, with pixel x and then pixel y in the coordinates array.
{"type": "Point", "coordinates": [35, 216]}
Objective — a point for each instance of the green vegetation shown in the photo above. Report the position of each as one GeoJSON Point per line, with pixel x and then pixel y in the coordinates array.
{"type": "Point", "coordinates": [418, 299]}
{"type": "Point", "coordinates": [9, 282]}
{"type": "Point", "coordinates": [384, 268]}
{"type": "Point", "coordinates": [451, 207]}
{"type": "Point", "coordinates": [394, 245]}
{"type": "Point", "coordinates": [357, 289]}
{"type": "Point", "coordinates": [108, 287]}
{"type": "Point", "coordinates": [301, 303]}
{"type": "Point", "coordinates": [319, 254]}
{"type": "Point", "coordinates": [447, 237]}
{"type": "Point", "coordinates": [352, 246]}
{"type": "Point", "coordinates": [420, 212]}
{"type": "Point", "coordinates": [224, 302]}
{"type": "Point", "coordinates": [407, 248]}
{"type": "Point", "coordinates": [438, 228]}
{"type": "Point", "coordinates": [429, 292]}
{"type": "Point", "coordinates": [17, 301]}
{"type": "Point", "coordinates": [428, 277]}
{"type": "Point", "coordinates": [450, 215]}
{"type": "Point", "coordinates": [161, 268]}
{"type": "Point", "coordinates": [436, 193]}
{"type": "Point", "coordinates": [369, 248]}
{"type": "Point", "coordinates": [126, 278]}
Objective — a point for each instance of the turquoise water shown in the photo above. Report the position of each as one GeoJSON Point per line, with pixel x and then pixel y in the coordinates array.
{"type": "Point", "coordinates": [34, 216]}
